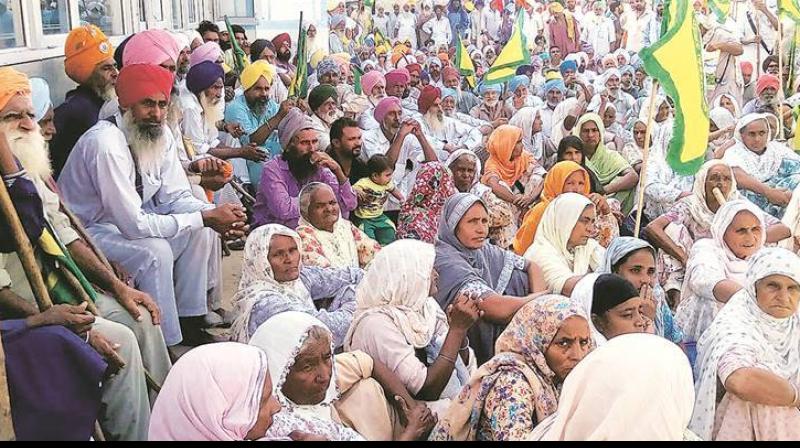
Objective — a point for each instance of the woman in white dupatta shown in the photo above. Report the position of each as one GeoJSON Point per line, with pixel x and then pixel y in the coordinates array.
{"type": "Point", "coordinates": [533, 139]}
{"type": "Point", "coordinates": [717, 266]}
{"type": "Point", "coordinates": [753, 350]}
{"type": "Point", "coordinates": [602, 398]}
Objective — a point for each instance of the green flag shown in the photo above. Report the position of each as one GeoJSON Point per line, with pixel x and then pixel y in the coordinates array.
{"type": "Point", "coordinates": [514, 54]}
{"type": "Point", "coordinates": [720, 7]}
{"type": "Point", "coordinates": [299, 86]}
{"type": "Point", "coordinates": [464, 63]}
{"type": "Point", "coordinates": [790, 9]}
{"type": "Point", "coordinates": [238, 53]}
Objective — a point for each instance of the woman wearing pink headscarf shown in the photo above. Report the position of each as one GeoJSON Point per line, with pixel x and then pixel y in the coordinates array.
{"type": "Point", "coordinates": [217, 392]}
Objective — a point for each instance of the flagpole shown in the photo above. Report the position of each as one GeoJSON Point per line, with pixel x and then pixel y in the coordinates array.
{"type": "Point", "coordinates": [780, 78]}
{"type": "Point", "coordinates": [645, 158]}
{"type": "Point", "coordinates": [758, 47]}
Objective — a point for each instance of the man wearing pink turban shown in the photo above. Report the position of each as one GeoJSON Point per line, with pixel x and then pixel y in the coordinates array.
{"type": "Point", "coordinates": [154, 47]}
{"type": "Point", "coordinates": [209, 51]}
{"type": "Point", "coordinates": [400, 139]}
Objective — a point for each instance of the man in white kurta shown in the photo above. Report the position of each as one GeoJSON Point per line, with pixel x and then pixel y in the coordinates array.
{"type": "Point", "coordinates": [446, 134]}
{"type": "Point", "coordinates": [140, 209]}
{"type": "Point", "coordinates": [439, 28]}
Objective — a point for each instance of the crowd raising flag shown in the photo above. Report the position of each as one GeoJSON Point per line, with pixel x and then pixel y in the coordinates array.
{"type": "Point", "coordinates": [680, 72]}
{"type": "Point", "coordinates": [238, 52]}
{"type": "Point", "coordinates": [299, 86]}
{"type": "Point", "coordinates": [514, 54]}
{"type": "Point", "coordinates": [464, 63]}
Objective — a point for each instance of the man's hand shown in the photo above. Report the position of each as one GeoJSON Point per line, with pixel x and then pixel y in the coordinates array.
{"type": "Point", "coordinates": [285, 106]}
{"type": "Point", "coordinates": [407, 127]}
{"type": "Point", "coordinates": [463, 313]}
{"type": "Point", "coordinates": [499, 122]}
{"type": "Point", "coordinates": [206, 165]}
{"type": "Point", "coordinates": [121, 273]}
{"type": "Point", "coordinates": [253, 153]}
{"type": "Point", "coordinates": [420, 420]}
{"type": "Point", "coordinates": [75, 318]}
{"type": "Point", "coordinates": [131, 298]}
{"type": "Point", "coordinates": [234, 129]}
{"type": "Point", "coordinates": [323, 160]}
{"type": "Point", "coordinates": [778, 196]}
{"type": "Point", "coordinates": [227, 220]}
{"type": "Point", "coordinates": [108, 351]}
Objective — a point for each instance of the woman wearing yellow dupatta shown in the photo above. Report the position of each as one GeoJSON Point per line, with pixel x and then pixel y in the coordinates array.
{"type": "Point", "coordinates": [614, 172]}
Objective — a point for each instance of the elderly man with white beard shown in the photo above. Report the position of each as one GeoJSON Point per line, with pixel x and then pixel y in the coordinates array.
{"type": "Point", "coordinates": [449, 104]}
{"type": "Point", "coordinates": [124, 181]}
{"type": "Point", "coordinates": [373, 85]}
{"type": "Point", "coordinates": [324, 111]}
{"type": "Point", "coordinates": [609, 82]}
{"type": "Point", "coordinates": [449, 133]}
{"type": "Point", "coordinates": [125, 410]}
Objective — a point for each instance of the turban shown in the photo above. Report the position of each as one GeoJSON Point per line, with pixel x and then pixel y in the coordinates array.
{"type": "Point", "coordinates": [490, 87]}
{"type": "Point", "coordinates": [434, 61]}
{"type": "Point", "coordinates": [397, 76]}
{"type": "Point", "coordinates": [316, 57]}
{"type": "Point", "coordinates": [414, 68]}
{"type": "Point", "coordinates": [396, 57]}
{"type": "Point", "coordinates": [444, 58]}
{"type": "Point", "coordinates": [609, 73]}
{"type": "Point", "coordinates": [280, 39]}
{"type": "Point", "coordinates": [209, 51]}
{"type": "Point", "coordinates": [12, 83]}
{"type": "Point", "coordinates": [557, 84]}
{"type": "Point", "coordinates": [550, 75]}
{"type": "Point", "coordinates": [747, 67]}
{"type": "Point", "coordinates": [40, 97]}
{"type": "Point", "coordinates": [586, 47]}
{"type": "Point", "coordinates": [367, 63]}
{"type": "Point", "coordinates": [568, 65]}
{"type": "Point", "coordinates": [328, 65]}
{"type": "Point", "coordinates": [446, 92]}
{"type": "Point", "coordinates": [450, 72]}
{"type": "Point", "coordinates": [257, 47]}
{"type": "Point", "coordinates": [320, 94]}
{"type": "Point", "coordinates": [294, 122]}
{"type": "Point", "coordinates": [383, 106]}
{"type": "Point", "coordinates": [555, 7]}
{"type": "Point", "coordinates": [119, 51]}
{"type": "Point", "coordinates": [253, 72]}
{"type": "Point", "coordinates": [370, 80]}
{"type": "Point", "coordinates": [137, 82]}
{"type": "Point", "coordinates": [85, 47]}
{"type": "Point", "coordinates": [428, 97]}
{"type": "Point", "coordinates": [151, 47]}
{"type": "Point", "coordinates": [182, 40]}
{"type": "Point", "coordinates": [626, 69]}
{"type": "Point", "coordinates": [203, 76]}
{"type": "Point", "coordinates": [765, 81]}
{"type": "Point", "coordinates": [337, 20]}
{"type": "Point", "coordinates": [522, 69]}
{"type": "Point", "coordinates": [516, 82]}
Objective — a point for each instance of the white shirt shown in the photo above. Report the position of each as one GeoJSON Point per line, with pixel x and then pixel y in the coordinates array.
{"type": "Point", "coordinates": [454, 132]}
{"type": "Point", "coordinates": [324, 132]}
{"type": "Point", "coordinates": [98, 183]}
{"type": "Point", "coordinates": [439, 29]}
{"type": "Point", "coordinates": [491, 23]}
{"type": "Point", "coordinates": [193, 125]}
{"type": "Point", "coordinates": [600, 33]}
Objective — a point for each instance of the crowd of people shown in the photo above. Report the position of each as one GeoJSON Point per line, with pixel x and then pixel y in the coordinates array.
{"type": "Point", "coordinates": [423, 258]}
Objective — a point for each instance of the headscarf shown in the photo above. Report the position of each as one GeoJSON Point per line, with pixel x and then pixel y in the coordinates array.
{"type": "Point", "coordinates": [553, 187]}
{"type": "Point", "coordinates": [151, 47]}
{"type": "Point", "coordinates": [697, 202]}
{"type": "Point", "coordinates": [136, 82]}
{"type": "Point", "coordinates": [523, 119]}
{"type": "Point", "coordinates": [602, 397]}
{"type": "Point", "coordinates": [294, 122]}
{"type": "Point", "coordinates": [84, 48]}
{"type": "Point", "coordinates": [419, 214]}
{"type": "Point", "coordinates": [427, 98]}
{"type": "Point", "coordinates": [320, 94]}
{"type": "Point", "coordinates": [255, 71]}
{"type": "Point", "coordinates": [552, 235]}
{"type": "Point", "coordinates": [339, 246]}
{"type": "Point", "coordinates": [258, 279]}
{"type": "Point", "coordinates": [734, 266]}
{"type": "Point", "coordinates": [477, 188]}
{"type": "Point", "coordinates": [607, 164]}
{"type": "Point", "coordinates": [519, 349]}
{"type": "Point", "coordinates": [370, 80]}
{"type": "Point", "coordinates": [397, 285]}
{"type": "Point", "coordinates": [383, 106]}
{"type": "Point", "coordinates": [722, 117]}
{"type": "Point", "coordinates": [583, 294]}
{"type": "Point", "coordinates": [748, 335]}
{"type": "Point", "coordinates": [209, 51]}
{"type": "Point", "coordinates": [202, 76]}
{"type": "Point", "coordinates": [282, 337]}
{"type": "Point", "coordinates": [12, 83]}
{"type": "Point", "coordinates": [516, 82]}
{"type": "Point", "coordinates": [718, 103]}
{"type": "Point", "coordinates": [212, 393]}
{"type": "Point", "coordinates": [500, 146]}
{"type": "Point", "coordinates": [457, 265]}
{"type": "Point", "coordinates": [40, 97]}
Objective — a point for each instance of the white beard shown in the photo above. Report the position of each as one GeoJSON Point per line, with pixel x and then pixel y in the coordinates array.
{"type": "Point", "coordinates": [107, 94]}
{"type": "Point", "coordinates": [492, 103]}
{"type": "Point", "coordinates": [31, 149]}
{"type": "Point", "coordinates": [211, 110]}
{"type": "Point", "coordinates": [435, 123]}
{"type": "Point", "coordinates": [329, 118]}
{"type": "Point", "coordinates": [149, 153]}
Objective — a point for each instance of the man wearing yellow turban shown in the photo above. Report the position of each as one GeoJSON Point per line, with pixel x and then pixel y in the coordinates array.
{"type": "Point", "coordinates": [89, 61]}
{"type": "Point", "coordinates": [562, 29]}
{"type": "Point", "coordinates": [257, 113]}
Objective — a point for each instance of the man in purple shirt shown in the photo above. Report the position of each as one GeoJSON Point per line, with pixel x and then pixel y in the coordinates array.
{"type": "Point", "coordinates": [301, 163]}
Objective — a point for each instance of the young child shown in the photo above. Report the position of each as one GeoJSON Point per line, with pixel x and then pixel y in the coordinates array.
{"type": "Point", "coordinates": [373, 192]}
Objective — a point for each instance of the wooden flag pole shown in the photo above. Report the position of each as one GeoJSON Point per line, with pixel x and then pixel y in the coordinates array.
{"type": "Point", "coordinates": [780, 79]}
{"type": "Point", "coordinates": [758, 47]}
{"type": "Point", "coordinates": [645, 157]}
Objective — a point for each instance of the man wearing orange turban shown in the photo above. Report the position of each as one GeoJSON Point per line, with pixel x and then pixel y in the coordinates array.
{"type": "Point", "coordinates": [124, 181]}
{"type": "Point", "coordinates": [89, 61]}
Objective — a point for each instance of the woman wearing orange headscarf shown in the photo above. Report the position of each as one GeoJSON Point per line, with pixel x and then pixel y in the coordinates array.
{"type": "Point", "coordinates": [566, 177]}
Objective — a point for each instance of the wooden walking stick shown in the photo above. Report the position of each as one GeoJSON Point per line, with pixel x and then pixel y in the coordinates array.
{"type": "Point", "coordinates": [645, 157]}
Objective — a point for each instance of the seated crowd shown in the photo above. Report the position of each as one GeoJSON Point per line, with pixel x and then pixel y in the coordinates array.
{"type": "Point", "coordinates": [422, 259]}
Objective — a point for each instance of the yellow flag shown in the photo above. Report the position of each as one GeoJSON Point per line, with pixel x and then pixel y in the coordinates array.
{"type": "Point", "coordinates": [675, 61]}
{"type": "Point", "coordinates": [789, 8]}
{"type": "Point", "coordinates": [464, 63]}
{"type": "Point", "coordinates": [514, 54]}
